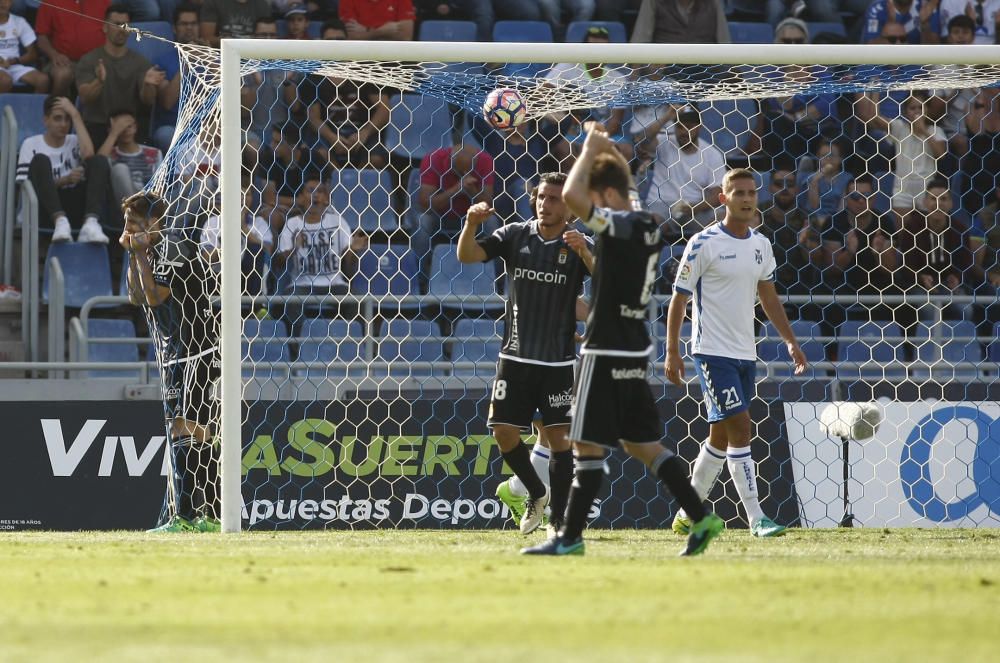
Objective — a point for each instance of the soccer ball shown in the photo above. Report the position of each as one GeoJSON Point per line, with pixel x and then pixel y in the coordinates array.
{"type": "Point", "coordinates": [504, 108]}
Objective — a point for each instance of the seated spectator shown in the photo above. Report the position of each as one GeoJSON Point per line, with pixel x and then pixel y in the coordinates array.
{"type": "Point", "coordinates": [15, 33]}
{"type": "Point", "coordinates": [782, 221]}
{"type": "Point", "coordinates": [987, 257]}
{"type": "Point", "coordinates": [824, 11]}
{"type": "Point", "coordinates": [687, 173]}
{"type": "Point", "coordinates": [919, 144]}
{"type": "Point", "coordinates": [378, 19]}
{"type": "Point", "coordinates": [791, 31]}
{"type": "Point", "coordinates": [981, 164]}
{"type": "Point", "coordinates": [345, 121]}
{"type": "Point", "coordinates": [452, 179]}
{"type": "Point", "coordinates": [935, 250]}
{"type": "Point", "coordinates": [257, 239]}
{"type": "Point", "coordinates": [70, 181]}
{"type": "Point", "coordinates": [230, 18]}
{"type": "Point", "coordinates": [333, 30]}
{"type": "Point", "coordinates": [826, 186]}
{"type": "Point", "coordinates": [64, 37]}
{"type": "Point", "coordinates": [566, 129]}
{"type": "Point", "coordinates": [168, 96]}
{"type": "Point", "coordinates": [316, 253]}
{"type": "Point", "coordinates": [280, 168]}
{"type": "Point", "coordinates": [114, 76]}
{"type": "Point", "coordinates": [919, 18]}
{"type": "Point", "coordinates": [297, 20]}
{"type": "Point", "coordinates": [681, 22]}
{"type": "Point", "coordinates": [985, 14]}
{"type": "Point", "coordinates": [949, 107]}
{"type": "Point", "coordinates": [264, 94]}
{"type": "Point", "coordinates": [132, 164]}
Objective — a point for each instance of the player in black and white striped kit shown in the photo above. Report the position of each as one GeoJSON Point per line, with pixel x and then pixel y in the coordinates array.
{"type": "Point", "coordinates": [614, 405]}
{"type": "Point", "coordinates": [172, 280]}
{"type": "Point", "coordinates": [545, 263]}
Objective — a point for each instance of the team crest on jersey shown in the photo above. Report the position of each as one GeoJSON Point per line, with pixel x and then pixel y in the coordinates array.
{"type": "Point", "coordinates": [758, 256]}
{"type": "Point", "coordinates": [686, 271]}
{"type": "Point", "coordinates": [563, 255]}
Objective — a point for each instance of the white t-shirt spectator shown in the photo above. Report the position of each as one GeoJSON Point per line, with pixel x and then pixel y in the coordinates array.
{"type": "Point", "coordinates": [316, 263]}
{"type": "Point", "coordinates": [914, 164]}
{"type": "Point", "coordinates": [985, 24]}
{"type": "Point", "coordinates": [678, 175]}
{"type": "Point", "coordinates": [14, 34]}
{"type": "Point", "coordinates": [64, 158]}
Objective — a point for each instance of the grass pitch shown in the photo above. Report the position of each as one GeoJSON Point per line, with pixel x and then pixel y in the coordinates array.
{"type": "Point", "coordinates": [813, 595]}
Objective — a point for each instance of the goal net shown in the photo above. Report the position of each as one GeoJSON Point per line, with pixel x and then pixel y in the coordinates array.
{"type": "Point", "coordinates": [357, 354]}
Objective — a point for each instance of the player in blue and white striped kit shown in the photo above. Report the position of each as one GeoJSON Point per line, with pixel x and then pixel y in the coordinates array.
{"type": "Point", "coordinates": [725, 268]}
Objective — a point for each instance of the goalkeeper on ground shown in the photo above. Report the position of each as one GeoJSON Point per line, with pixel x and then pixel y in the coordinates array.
{"type": "Point", "coordinates": [169, 277]}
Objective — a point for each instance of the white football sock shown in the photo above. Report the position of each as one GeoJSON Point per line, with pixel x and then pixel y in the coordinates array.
{"type": "Point", "coordinates": [741, 467]}
{"type": "Point", "coordinates": [707, 468]}
{"type": "Point", "coordinates": [539, 461]}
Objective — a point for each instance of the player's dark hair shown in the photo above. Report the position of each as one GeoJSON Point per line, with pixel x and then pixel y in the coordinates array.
{"type": "Point", "coordinates": [736, 174]}
{"type": "Point", "coordinates": [608, 172]}
{"type": "Point", "coordinates": [557, 179]}
{"type": "Point", "coordinates": [186, 8]}
{"type": "Point", "coordinates": [117, 9]}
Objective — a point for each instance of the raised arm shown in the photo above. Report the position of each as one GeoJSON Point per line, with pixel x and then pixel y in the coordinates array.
{"type": "Point", "coordinates": [468, 249]}
{"type": "Point", "coordinates": [776, 314]}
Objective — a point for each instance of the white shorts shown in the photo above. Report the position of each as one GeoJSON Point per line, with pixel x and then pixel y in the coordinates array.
{"type": "Point", "coordinates": [17, 71]}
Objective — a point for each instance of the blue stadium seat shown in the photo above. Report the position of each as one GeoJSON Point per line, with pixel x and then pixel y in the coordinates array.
{"type": "Point", "coordinates": [86, 269]}
{"type": "Point", "coordinates": [771, 348]}
{"type": "Point", "coordinates": [950, 342]}
{"type": "Point", "coordinates": [522, 31]}
{"type": "Point", "coordinates": [417, 125]}
{"type": "Point", "coordinates": [450, 277]}
{"type": "Point", "coordinates": [386, 269]}
{"type": "Point", "coordinates": [159, 28]}
{"type": "Point", "coordinates": [150, 48]}
{"type": "Point", "coordinates": [447, 31]}
{"type": "Point", "coordinates": [334, 343]}
{"type": "Point", "coordinates": [476, 341]}
{"type": "Point", "coordinates": [404, 341]}
{"type": "Point", "coordinates": [411, 216]}
{"type": "Point", "coordinates": [751, 33]}
{"type": "Point", "coordinates": [576, 31]}
{"type": "Point", "coordinates": [874, 343]}
{"type": "Point", "coordinates": [728, 124]}
{"type": "Point", "coordinates": [264, 341]}
{"type": "Point", "coordinates": [28, 110]}
{"type": "Point", "coordinates": [118, 352]}
{"type": "Point", "coordinates": [364, 199]}
{"type": "Point", "coordinates": [658, 334]}
{"type": "Point", "coordinates": [835, 28]}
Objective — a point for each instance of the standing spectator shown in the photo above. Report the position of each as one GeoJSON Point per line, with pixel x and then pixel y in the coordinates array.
{"type": "Point", "coordinates": [681, 22]}
{"type": "Point", "coordinates": [378, 19]}
{"type": "Point", "coordinates": [69, 180]}
{"type": "Point", "coordinates": [230, 18]}
{"type": "Point", "coordinates": [114, 77]}
{"type": "Point", "coordinates": [949, 107]}
{"type": "Point", "coordinates": [984, 14]}
{"type": "Point", "coordinates": [919, 144]}
{"type": "Point", "coordinates": [826, 187]}
{"type": "Point", "coordinates": [919, 18]}
{"type": "Point", "coordinates": [782, 222]}
{"type": "Point", "coordinates": [64, 37]}
{"type": "Point", "coordinates": [132, 164]}
{"type": "Point", "coordinates": [168, 96]}
{"type": "Point", "coordinates": [687, 173]}
{"type": "Point", "coordinates": [297, 21]}
{"type": "Point", "coordinates": [15, 32]}
{"type": "Point", "coordinates": [452, 179]}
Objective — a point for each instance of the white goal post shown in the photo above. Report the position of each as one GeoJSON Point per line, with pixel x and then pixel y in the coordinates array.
{"type": "Point", "coordinates": [236, 53]}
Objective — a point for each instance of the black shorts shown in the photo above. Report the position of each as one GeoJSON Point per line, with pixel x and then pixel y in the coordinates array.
{"type": "Point", "coordinates": [190, 389]}
{"type": "Point", "coordinates": [521, 388]}
{"type": "Point", "coordinates": [614, 402]}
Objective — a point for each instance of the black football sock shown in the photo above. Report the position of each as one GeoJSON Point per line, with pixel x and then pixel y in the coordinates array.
{"type": "Point", "coordinates": [672, 472]}
{"type": "Point", "coordinates": [586, 484]}
{"type": "Point", "coordinates": [519, 461]}
{"type": "Point", "coordinates": [208, 481]}
{"type": "Point", "coordinates": [560, 478]}
{"type": "Point", "coordinates": [185, 459]}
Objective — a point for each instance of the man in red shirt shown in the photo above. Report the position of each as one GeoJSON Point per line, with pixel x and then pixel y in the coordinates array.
{"type": "Point", "coordinates": [452, 179]}
{"type": "Point", "coordinates": [64, 37]}
{"type": "Point", "coordinates": [378, 19]}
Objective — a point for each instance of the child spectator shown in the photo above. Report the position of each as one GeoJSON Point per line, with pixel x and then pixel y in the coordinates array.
{"type": "Point", "coordinates": [70, 182]}
{"type": "Point", "coordinates": [15, 33]}
{"type": "Point", "coordinates": [132, 164]}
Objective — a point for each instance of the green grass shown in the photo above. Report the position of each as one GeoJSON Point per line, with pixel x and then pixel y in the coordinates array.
{"type": "Point", "coordinates": [814, 595]}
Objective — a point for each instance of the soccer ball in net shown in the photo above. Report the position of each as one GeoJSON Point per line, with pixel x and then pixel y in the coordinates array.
{"type": "Point", "coordinates": [504, 108]}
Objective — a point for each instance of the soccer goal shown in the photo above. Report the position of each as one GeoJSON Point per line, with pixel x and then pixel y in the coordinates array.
{"type": "Point", "coordinates": [357, 356]}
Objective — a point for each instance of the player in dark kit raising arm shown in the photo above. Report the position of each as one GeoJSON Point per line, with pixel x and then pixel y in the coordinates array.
{"type": "Point", "coordinates": [613, 402]}
{"type": "Point", "coordinates": [545, 264]}
{"type": "Point", "coordinates": [171, 280]}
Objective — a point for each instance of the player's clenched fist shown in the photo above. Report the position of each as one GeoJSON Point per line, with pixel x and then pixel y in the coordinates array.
{"type": "Point", "coordinates": [478, 214]}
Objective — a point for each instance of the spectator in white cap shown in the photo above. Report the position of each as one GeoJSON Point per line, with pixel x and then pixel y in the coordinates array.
{"type": "Point", "coordinates": [791, 31]}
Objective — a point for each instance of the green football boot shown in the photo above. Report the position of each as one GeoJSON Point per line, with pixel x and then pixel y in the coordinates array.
{"type": "Point", "coordinates": [681, 524]}
{"type": "Point", "coordinates": [175, 524]}
{"type": "Point", "coordinates": [206, 524]}
{"type": "Point", "coordinates": [515, 503]}
{"type": "Point", "coordinates": [556, 546]}
{"type": "Point", "coordinates": [766, 527]}
{"type": "Point", "coordinates": [702, 532]}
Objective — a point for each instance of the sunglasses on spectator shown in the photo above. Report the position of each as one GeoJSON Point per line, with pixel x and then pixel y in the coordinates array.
{"type": "Point", "coordinates": [896, 39]}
